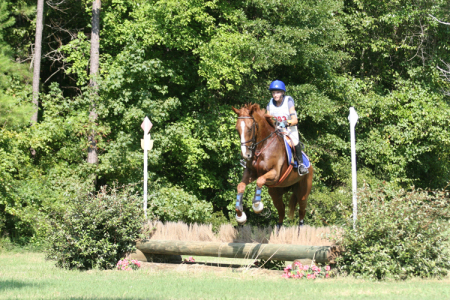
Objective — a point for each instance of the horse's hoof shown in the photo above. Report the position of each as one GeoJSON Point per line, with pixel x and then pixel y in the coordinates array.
{"type": "Point", "coordinates": [242, 219]}
{"type": "Point", "coordinates": [279, 227]}
{"type": "Point", "coordinates": [258, 207]}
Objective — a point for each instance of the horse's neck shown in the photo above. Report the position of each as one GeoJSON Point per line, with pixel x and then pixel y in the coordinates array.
{"type": "Point", "coordinates": [264, 130]}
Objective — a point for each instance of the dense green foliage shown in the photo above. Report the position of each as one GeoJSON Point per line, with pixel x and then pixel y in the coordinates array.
{"type": "Point", "coordinates": [398, 235]}
{"type": "Point", "coordinates": [184, 64]}
{"type": "Point", "coordinates": [95, 231]}
{"type": "Point", "coordinates": [14, 109]}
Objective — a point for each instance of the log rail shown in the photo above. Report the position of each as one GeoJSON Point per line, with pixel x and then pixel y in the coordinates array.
{"type": "Point", "coordinates": [283, 252]}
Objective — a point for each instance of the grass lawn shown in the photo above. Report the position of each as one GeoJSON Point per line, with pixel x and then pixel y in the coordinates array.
{"type": "Point", "coordinates": [28, 276]}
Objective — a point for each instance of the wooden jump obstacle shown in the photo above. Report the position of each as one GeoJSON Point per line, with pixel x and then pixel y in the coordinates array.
{"type": "Point", "coordinates": [321, 254]}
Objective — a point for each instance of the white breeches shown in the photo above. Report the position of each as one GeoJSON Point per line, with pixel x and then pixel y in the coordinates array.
{"type": "Point", "coordinates": [293, 134]}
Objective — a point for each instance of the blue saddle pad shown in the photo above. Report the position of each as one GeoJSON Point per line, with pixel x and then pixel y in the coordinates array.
{"type": "Point", "coordinates": [290, 158]}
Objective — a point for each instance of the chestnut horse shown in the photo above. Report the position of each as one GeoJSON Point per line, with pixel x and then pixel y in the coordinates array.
{"type": "Point", "coordinates": [263, 149]}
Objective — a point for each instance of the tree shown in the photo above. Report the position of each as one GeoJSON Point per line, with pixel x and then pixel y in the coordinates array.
{"type": "Point", "coordinates": [37, 58]}
{"type": "Point", "coordinates": [95, 61]}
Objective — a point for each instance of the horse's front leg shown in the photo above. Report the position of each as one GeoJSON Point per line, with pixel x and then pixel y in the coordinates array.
{"type": "Point", "coordinates": [241, 218]}
{"type": "Point", "coordinates": [257, 205]}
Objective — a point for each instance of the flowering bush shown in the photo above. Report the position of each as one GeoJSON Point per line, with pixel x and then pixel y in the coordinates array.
{"type": "Point", "coordinates": [399, 234]}
{"type": "Point", "coordinates": [128, 265]}
{"type": "Point", "coordinates": [305, 271]}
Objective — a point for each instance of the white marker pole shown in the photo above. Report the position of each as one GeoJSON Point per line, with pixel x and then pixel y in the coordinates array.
{"type": "Point", "coordinates": [145, 174]}
{"type": "Point", "coordinates": [147, 145]}
{"type": "Point", "coordinates": [353, 118]}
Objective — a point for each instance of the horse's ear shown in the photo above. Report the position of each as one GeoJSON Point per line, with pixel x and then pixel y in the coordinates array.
{"type": "Point", "coordinates": [253, 108]}
{"type": "Point", "coordinates": [237, 111]}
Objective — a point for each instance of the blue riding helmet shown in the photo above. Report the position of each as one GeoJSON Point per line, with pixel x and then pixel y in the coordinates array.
{"type": "Point", "coordinates": [277, 85]}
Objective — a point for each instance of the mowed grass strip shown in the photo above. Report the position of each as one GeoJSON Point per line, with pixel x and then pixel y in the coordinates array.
{"type": "Point", "coordinates": [29, 276]}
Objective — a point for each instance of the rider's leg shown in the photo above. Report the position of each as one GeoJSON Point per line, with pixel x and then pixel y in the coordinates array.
{"type": "Point", "coordinates": [302, 170]}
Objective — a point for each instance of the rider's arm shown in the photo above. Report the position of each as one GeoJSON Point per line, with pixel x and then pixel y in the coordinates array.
{"type": "Point", "coordinates": [293, 121]}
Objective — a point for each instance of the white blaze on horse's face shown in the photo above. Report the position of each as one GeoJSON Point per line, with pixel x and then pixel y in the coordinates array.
{"type": "Point", "coordinates": [243, 147]}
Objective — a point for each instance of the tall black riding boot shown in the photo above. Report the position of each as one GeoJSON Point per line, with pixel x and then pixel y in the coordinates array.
{"type": "Point", "coordinates": [302, 170]}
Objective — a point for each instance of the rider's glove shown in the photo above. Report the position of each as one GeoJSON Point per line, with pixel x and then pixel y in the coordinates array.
{"type": "Point", "coordinates": [286, 123]}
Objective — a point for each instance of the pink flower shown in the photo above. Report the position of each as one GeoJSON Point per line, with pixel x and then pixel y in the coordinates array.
{"type": "Point", "coordinates": [298, 264]}
{"type": "Point", "coordinates": [285, 275]}
{"type": "Point", "coordinates": [288, 268]}
{"type": "Point", "coordinates": [305, 268]}
{"type": "Point", "coordinates": [327, 268]}
{"type": "Point", "coordinates": [327, 275]}
{"type": "Point", "coordinates": [126, 265]}
{"type": "Point", "coordinates": [319, 270]}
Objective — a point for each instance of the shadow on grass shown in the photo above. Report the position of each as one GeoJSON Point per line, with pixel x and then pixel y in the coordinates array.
{"type": "Point", "coordinates": [12, 284]}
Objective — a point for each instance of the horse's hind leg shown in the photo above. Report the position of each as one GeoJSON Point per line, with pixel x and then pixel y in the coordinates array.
{"type": "Point", "coordinates": [293, 203]}
{"type": "Point", "coordinates": [301, 192]}
{"type": "Point", "coordinates": [277, 197]}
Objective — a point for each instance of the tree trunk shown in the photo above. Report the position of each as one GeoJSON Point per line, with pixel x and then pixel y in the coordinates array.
{"type": "Point", "coordinates": [95, 57]}
{"type": "Point", "coordinates": [37, 58]}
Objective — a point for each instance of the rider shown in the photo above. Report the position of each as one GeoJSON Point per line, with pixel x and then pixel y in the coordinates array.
{"type": "Point", "coordinates": [282, 108]}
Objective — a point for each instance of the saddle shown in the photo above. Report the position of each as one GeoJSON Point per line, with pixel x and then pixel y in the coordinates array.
{"type": "Point", "coordinates": [289, 145]}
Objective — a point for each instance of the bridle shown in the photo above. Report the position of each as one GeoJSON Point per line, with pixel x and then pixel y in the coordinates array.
{"type": "Point", "coordinates": [253, 144]}
{"type": "Point", "coordinates": [253, 139]}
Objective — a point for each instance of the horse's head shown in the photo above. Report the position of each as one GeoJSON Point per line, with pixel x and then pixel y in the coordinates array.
{"type": "Point", "coordinates": [246, 127]}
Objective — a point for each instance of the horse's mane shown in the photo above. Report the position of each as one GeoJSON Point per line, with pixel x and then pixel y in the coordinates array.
{"type": "Point", "coordinates": [256, 111]}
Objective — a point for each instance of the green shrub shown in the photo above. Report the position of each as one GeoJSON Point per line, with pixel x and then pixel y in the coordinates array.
{"type": "Point", "coordinates": [95, 231]}
{"type": "Point", "coordinates": [173, 204]}
{"type": "Point", "coordinates": [398, 234]}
